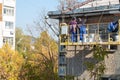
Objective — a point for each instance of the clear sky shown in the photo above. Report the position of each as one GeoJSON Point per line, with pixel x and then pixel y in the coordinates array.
{"type": "Point", "coordinates": [28, 10]}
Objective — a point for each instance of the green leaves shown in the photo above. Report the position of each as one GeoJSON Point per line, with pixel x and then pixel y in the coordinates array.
{"type": "Point", "coordinates": [23, 42]}
{"type": "Point", "coordinates": [99, 53]}
{"type": "Point", "coordinates": [90, 65]}
{"type": "Point", "coordinates": [97, 69]}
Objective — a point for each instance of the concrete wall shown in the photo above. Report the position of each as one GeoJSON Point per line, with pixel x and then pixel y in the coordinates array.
{"type": "Point", "coordinates": [117, 61]}
{"type": "Point", "coordinates": [11, 3]}
{"type": "Point", "coordinates": [76, 67]}
{"type": "Point", "coordinates": [75, 62]}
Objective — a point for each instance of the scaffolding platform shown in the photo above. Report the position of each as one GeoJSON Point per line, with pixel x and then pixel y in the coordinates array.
{"type": "Point", "coordinates": [90, 43]}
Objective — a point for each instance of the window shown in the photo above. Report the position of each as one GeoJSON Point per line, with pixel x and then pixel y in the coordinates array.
{"type": "Point", "coordinates": [8, 25]}
{"type": "Point", "coordinates": [5, 10]}
{"type": "Point", "coordinates": [62, 59]}
{"type": "Point", "coordinates": [9, 11]}
{"type": "Point", "coordinates": [103, 31]}
{"type": "Point", "coordinates": [62, 70]}
{"type": "Point", "coordinates": [62, 48]}
{"type": "Point", "coordinates": [8, 40]}
{"type": "Point", "coordinates": [103, 28]}
{"type": "Point", "coordinates": [93, 28]}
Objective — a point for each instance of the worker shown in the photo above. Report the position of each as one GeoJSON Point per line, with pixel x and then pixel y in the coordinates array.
{"type": "Point", "coordinates": [73, 31]}
{"type": "Point", "coordinates": [113, 28]}
{"type": "Point", "coordinates": [82, 29]}
{"type": "Point", "coordinates": [82, 32]}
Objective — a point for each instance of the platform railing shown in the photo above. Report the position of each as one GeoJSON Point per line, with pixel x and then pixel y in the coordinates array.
{"type": "Point", "coordinates": [88, 39]}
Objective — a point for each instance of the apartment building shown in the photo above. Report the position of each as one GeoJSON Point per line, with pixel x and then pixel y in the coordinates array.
{"type": "Point", "coordinates": [7, 22]}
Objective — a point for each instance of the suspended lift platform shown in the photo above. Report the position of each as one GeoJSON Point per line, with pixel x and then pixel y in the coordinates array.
{"type": "Point", "coordinates": [95, 38]}
{"type": "Point", "coordinates": [94, 13]}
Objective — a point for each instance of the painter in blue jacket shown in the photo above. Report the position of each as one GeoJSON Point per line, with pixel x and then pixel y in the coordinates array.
{"type": "Point", "coordinates": [82, 32]}
{"type": "Point", "coordinates": [113, 28]}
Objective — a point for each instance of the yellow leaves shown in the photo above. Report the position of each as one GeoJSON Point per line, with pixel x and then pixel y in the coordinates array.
{"type": "Point", "coordinates": [40, 61]}
{"type": "Point", "coordinates": [34, 59]}
{"type": "Point", "coordinates": [10, 62]}
{"type": "Point", "coordinates": [46, 46]}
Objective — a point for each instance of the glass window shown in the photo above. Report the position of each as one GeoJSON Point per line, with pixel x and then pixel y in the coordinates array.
{"type": "Point", "coordinates": [103, 28]}
{"type": "Point", "coordinates": [62, 59]}
{"type": "Point", "coordinates": [8, 40]}
{"type": "Point", "coordinates": [103, 32]}
{"type": "Point", "coordinates": [8, 25]}
{"type": "Point", "coordinates": [4, 10]}
{"type": "Point", "coordinates": [93, 28]}
{"type": "Point", "coordinates": [9, 11]}
{"type": "Point", "coordinates": [62, 70]}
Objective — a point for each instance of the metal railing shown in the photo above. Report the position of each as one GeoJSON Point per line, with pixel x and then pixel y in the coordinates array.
{"type": "Point", "coordinates": [107, 38]}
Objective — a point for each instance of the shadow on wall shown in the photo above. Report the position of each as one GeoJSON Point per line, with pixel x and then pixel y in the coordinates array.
{"type": "Point", "coordinates": [76, 61]}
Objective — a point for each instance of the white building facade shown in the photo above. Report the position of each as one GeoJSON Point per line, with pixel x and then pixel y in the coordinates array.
{"type": "Point", "coordinates": [7, 22]}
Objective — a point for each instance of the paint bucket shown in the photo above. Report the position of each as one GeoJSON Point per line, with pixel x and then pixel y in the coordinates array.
{"type": "Point", "coordinates": [85, 38]}
{"type": "Point", "coordinates": [91, 37]}
{"type": "Point", "coordinates": [116, 37]}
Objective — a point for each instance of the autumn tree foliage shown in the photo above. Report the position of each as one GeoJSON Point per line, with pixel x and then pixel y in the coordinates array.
{"type": "Point", "coordinates": [23, 42]}
{"type": "Point", "coordinates": [39, 52]}
{"type": "Point", "coordinates": [41, 62]}
{"type": "Point", "coordinates": [49, 48]}
{"type": "Point", "coordinates": [10, 63]}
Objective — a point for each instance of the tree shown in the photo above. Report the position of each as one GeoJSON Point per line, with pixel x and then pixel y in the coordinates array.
{"type": "Point", "coordinates": [67, 5]}
{"type": "Point", "coordinates": [44, 23]}
{"type": "Point", "coordinates": [10, 63]}
{"type": "Point", "coordinates": [48, 49]}
{"type": "Point", "coordinates": [23, 42]}
{"type": "Point", "coordinates": [18, 37]}
{"type": "Point", "coordinates": [41, 62]}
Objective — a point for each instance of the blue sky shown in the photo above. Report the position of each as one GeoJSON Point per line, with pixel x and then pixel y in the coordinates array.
{"type": "Point", "coordinates": [28, 10]}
